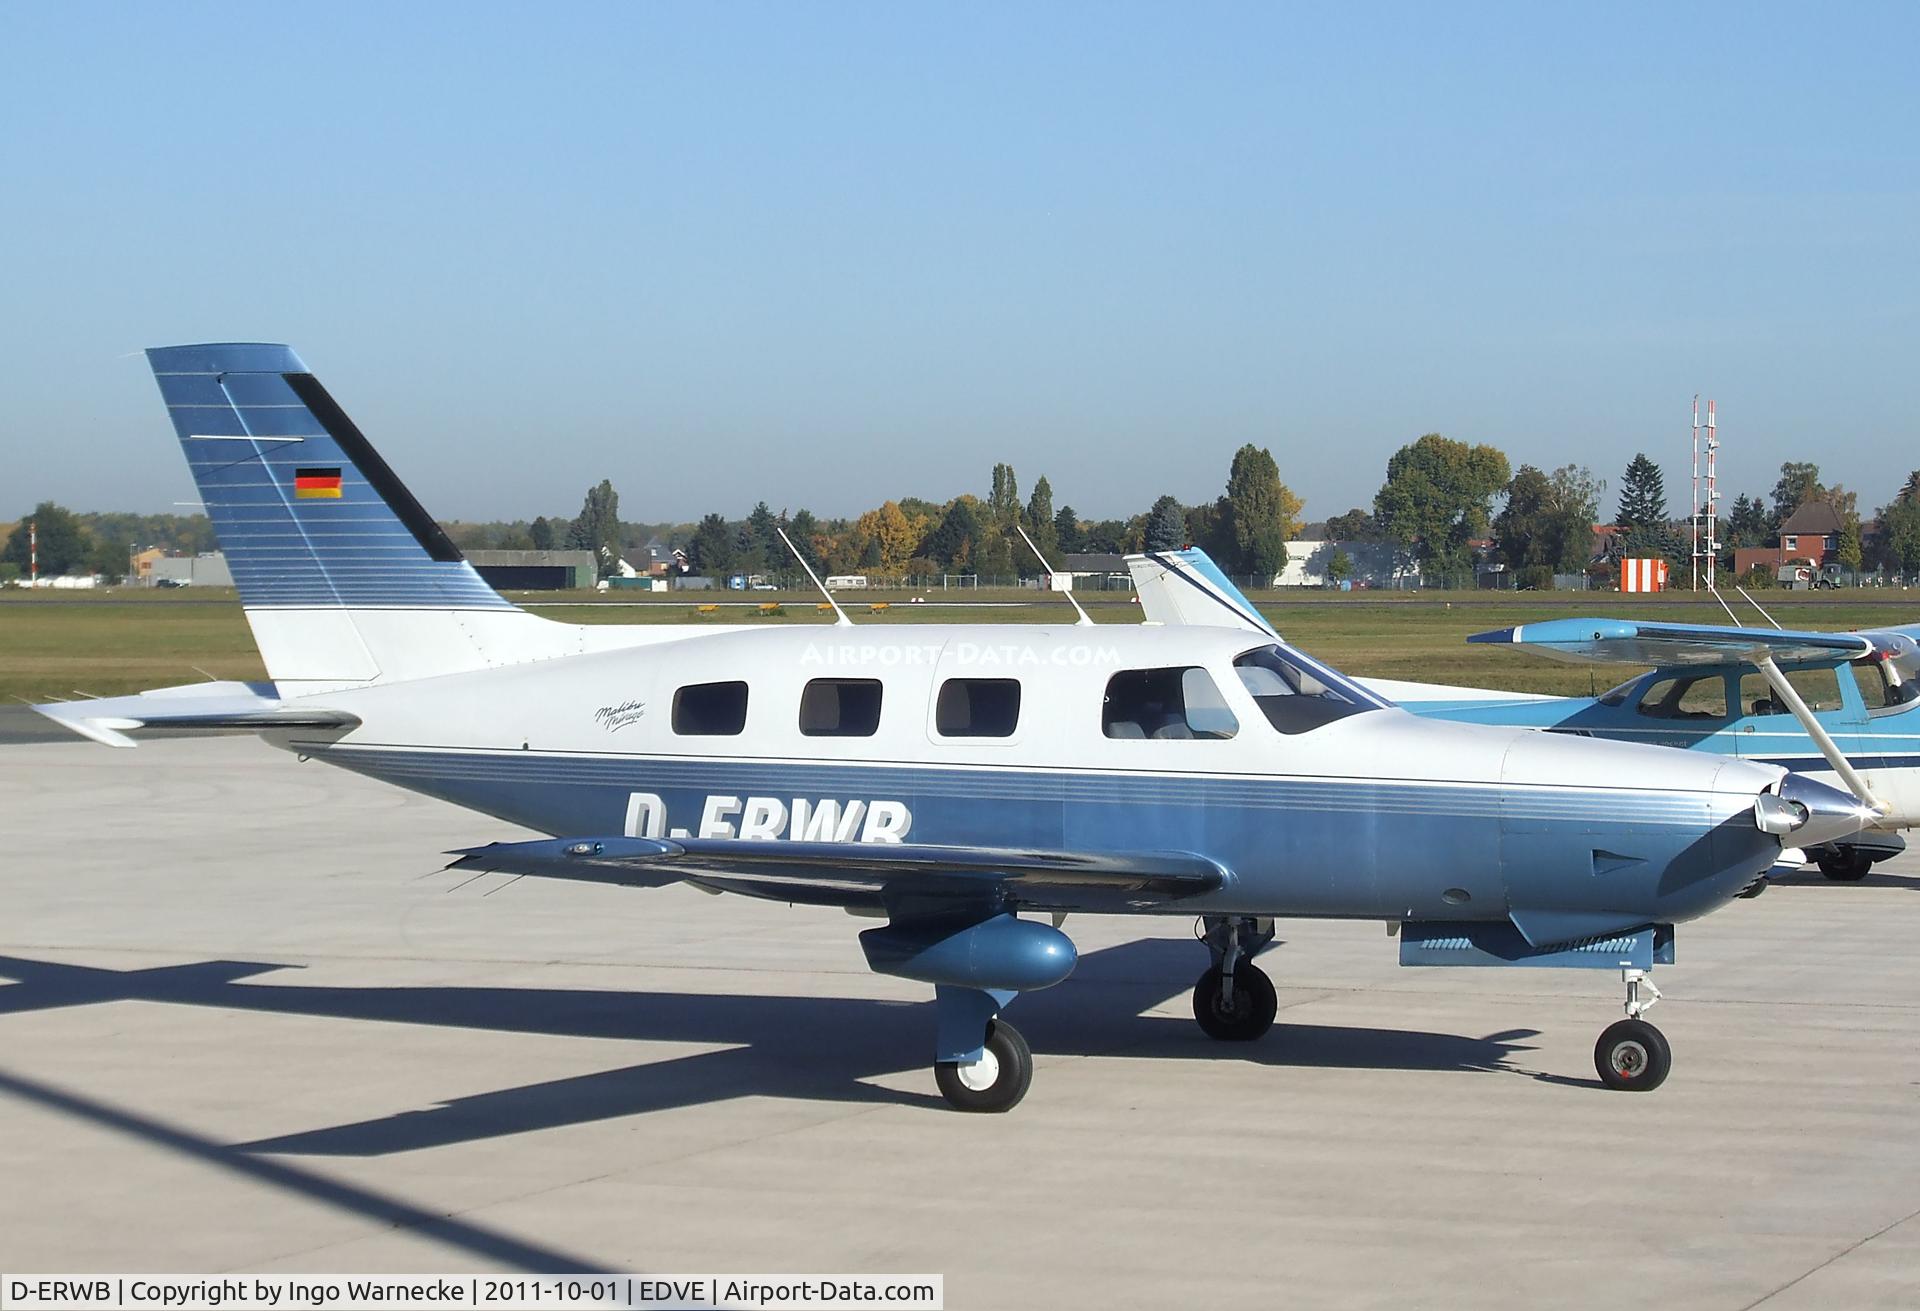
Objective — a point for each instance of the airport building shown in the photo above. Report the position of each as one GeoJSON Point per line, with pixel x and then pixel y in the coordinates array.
{"type": "Point", "coordinates": [535, 571]}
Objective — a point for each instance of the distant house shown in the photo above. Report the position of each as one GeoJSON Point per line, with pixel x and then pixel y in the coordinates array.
{"type": "Point", "coordinates": [1811, 533]}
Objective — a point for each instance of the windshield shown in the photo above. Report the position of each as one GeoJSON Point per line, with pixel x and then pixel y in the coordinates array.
{"type": "Point", "coordinates": [1297, 693]}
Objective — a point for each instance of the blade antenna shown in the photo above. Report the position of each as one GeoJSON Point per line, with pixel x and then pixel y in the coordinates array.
{"type": "Point", "coordinates": [1756, 605]}
{"type": "Point", "coordinates": [840, 616]}
{"type": "Point", "coordinates": [1083, 621]}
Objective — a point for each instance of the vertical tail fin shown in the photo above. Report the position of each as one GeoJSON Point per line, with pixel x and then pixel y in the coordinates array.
{"type": "Point", "coordinates": [321, 537]}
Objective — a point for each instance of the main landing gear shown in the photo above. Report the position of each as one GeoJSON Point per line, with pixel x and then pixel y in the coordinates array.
{"type": "Point", "coordinates": [1845, 864]}
{"type": "Point", "coordinates": [1234, 1000]}
{"type": "Point", "coordinates": [1632, 1055]}
{"type": "Point", "coordinates": [994, 1080]}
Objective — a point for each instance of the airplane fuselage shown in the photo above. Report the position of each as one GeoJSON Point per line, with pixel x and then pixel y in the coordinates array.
{"type": "Point", "coordinates": [1371, 814]}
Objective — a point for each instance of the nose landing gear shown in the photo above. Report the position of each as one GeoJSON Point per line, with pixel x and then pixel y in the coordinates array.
{"type": "Point", "coordinates": [1632, 1055]}
{"type": "Point", "coordinates": [1234, 1000]}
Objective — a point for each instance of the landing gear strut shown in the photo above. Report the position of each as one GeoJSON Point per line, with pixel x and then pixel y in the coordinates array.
{"type": "Point", "coordinates": [1632, 1055]}
{"type": "Point", "coordinates": [1234, 1000]}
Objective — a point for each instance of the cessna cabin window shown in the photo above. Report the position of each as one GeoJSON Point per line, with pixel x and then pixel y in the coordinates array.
{"type": "Point", "coordinates": [840, 707]}
{"type": "Point", "coordinates": [710, 709]}
{"type": "Point", "coordinates": [977, 707]}
{"type": "Point", "coordinates": [1166, 703]}
{"type": "Point", "coordinates": [1819, 688]}
{"type": "Point", "coordinates": [1696, 696]}
{"type": "Point", "coordinates": [1292, 695]}
{"type": "Point", "coordinates": [1880, 687]}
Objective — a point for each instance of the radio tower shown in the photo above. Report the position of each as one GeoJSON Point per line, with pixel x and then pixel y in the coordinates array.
{"type": "Point", "coordinates": [1705, 518]}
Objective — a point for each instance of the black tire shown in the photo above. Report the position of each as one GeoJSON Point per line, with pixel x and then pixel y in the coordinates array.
{"type": "Point", "coordinates": [1250, 1012]}
{"type": "Point", "coordinates": [1846, 864]}
{"type": "Point", "coordinates": [1633, 1056]}
{"type": "Point", "coordinates": [997, 1081]}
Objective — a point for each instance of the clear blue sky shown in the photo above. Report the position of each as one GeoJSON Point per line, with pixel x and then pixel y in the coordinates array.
{"type": "Point", "coordinates": [824, 254]}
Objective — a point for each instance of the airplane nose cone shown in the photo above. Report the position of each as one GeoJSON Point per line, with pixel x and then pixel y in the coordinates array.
{"type": "Point", "coordinates": [1807, 814]}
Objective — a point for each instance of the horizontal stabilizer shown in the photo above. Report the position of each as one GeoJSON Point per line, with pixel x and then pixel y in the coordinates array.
{"type": "Point", "coordinates": [1627, 641]}
{"type": "Point", "coordinates": [857, 869]}
{"type": "Point", "coordinates": [195, 710]}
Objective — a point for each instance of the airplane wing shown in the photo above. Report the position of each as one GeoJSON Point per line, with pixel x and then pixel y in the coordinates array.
{"type": "Point", "coordinates": [1632, 642]}
{"type": "Point", "coordinates": [842, 873]}
{"type": "Point", "coordinates": [193, 710]}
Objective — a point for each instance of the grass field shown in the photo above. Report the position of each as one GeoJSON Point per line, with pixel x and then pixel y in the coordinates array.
{"type": "Point", "coordinates": [60, 644]}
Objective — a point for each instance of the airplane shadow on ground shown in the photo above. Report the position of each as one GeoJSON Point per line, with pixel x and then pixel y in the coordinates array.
{"type": "Point", "coordinates": [813, 1048]}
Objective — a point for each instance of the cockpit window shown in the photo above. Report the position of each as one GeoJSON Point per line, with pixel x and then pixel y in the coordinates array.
{"type": "Point", "coordinates": [1880, 685]}
{"type": "Point", "coordinates": [1697, 696]}
{"type": "Point", "coordinates": [1180, 702]}
{"type": "Point", "coordinates": [1294, 693]}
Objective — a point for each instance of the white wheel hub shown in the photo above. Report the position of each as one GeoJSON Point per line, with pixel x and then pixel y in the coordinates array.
{"type": "Point", "coordinates": [982, 1074]}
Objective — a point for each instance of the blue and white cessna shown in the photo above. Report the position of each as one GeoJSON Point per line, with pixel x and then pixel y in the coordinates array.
{"type": "Point", "coordinates": [1841, 707]}
{"type": "Point", "coordinates": [965, 783]}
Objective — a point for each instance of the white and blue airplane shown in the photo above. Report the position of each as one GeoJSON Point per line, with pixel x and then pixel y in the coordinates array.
{"type": "Point", "coordinates": [969, 785]}
{"type": "Point", "coordinates": [1843, 708]}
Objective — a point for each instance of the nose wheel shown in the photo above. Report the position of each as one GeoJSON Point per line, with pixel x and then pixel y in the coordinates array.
{"type": "Point", "coordinates": [1239, 1008]}
{"type": "Point", "coordinates": [1632, 1055]}
{"type": "Point", "coordinates": [1234, 1000]}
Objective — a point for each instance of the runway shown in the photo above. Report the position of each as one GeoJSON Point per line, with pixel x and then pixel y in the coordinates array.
{"type": "Point", "coordinates": [250, 1026]}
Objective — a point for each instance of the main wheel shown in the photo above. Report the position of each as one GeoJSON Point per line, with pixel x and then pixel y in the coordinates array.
{"type": "Point", "coordinates": [1846, 864]}
{"type": "Point", "coordinates": [1632, 1056]}
{"type": "Point", "coordinates": [997, 1080]}
{"type": "Point", "coordinates": [1244, 1016]}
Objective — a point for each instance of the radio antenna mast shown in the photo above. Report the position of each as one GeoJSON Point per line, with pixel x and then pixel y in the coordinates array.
{"type": "Point", "coordinates": [1083, 621]}
{"type": "Point", "coordinates": [840, 616]}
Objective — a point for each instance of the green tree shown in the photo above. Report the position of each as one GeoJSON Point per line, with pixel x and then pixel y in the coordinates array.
{"type": "Point", "coordinates": [1848, 553]}
{"type": "Point", "coordinates": [597, 528]}
{"type": "Point", "coordinates": [63, 546]}
{"type": "Point", "coordinates": [1166, 525]}
{"type": "Point", "coordinates": [993, 555]}
{"type": "Point", "coordinates": [1067, 531]}
{"type": "Point", "coordinates": [1339, 567]}
{"type": "Point", "coordinates": [712, 549]}
{"type": "Point", "coordinates": [540, 532]}
{"type": "Point", "coordinates": [1747, 522]}
{"type": "Point", "coordinates": [952, 542]}
{"type": "Point", "coordinates": [803, 529]}
{"type": "Point", "coordinates": [1003, 503]}
{"type": "Point", "coordinates": [1262, 514]}
{"type": "Point", "coordinates": [108, 558]}
{"type": "Point", "coordinates": [1040, 524]}
{"type": "Point", "coordinates": [1356, 525]}
{"type": "Point", "coordinates": [758, 545]}
{"type": "Point", "coordinates": [1437, 499]}
{"type": "Point", "coordinates": [1799, 483]}
{"type": "Point", "coordinates": [1900, 528]}
{"type": "Point", "coordinates": [1643, 495]}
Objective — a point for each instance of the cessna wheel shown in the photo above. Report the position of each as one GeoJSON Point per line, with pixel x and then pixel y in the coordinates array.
{"type": "Point", "coordinates": [1633, 1056]}
{"type": "Point", "coordinates": [996, 1080]}
{"type": "Point", "coordinates": [1846, 865]}
{"type": "Point", "coordinates": [1245, 1015]}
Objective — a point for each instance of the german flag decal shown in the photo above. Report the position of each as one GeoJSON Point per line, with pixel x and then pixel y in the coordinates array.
{"type": "Point", "coordinates": [316, 484]}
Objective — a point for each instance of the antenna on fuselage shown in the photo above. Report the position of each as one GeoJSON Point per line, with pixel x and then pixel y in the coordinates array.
{"type": "Point", "coordinates": [840, 616]}
{"type": "Point", "coordinates": [1083, 621]}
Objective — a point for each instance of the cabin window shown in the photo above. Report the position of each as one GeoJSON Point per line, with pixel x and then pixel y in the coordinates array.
{"type": "Point", "coordinates": [1879, 685]}
{"type": "Point", "coordinates": [840, 707]}
{"type": "Point", "coordinates": [1697, 696]}
{"type": "Point", "coordinates": [977, 707]}
{"type": "Point", "coordinates": [1180, 702]}
{"type": "Point", "coordinates": [1819, 688]}
{"type": "Point", "coordinates": [710, 709]}
{"type": "Point", "coordinates": [1292, 697]}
